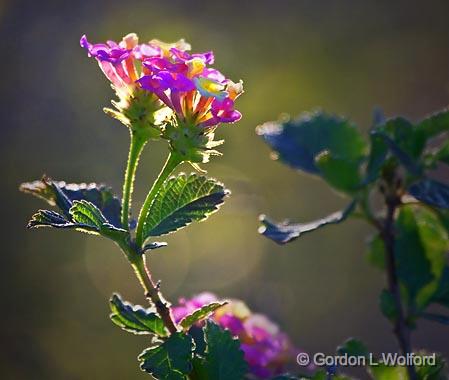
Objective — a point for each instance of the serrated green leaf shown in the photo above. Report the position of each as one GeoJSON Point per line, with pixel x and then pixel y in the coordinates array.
{"type": "Point", "coordinates": [339, 173]}
{"type": "Point", "coordinates": [182, 200]}
{"type": "Point", "coordinates": [86, 213]}
{"type": "Point", "coordinates": [353, 347]}
{"type": "Point", "coordinates": [47, 218]}
{"type": "Point", "coordinates": [223, 359]}
{"type": "Point", "coordinates": [62, 194]}
{"type": "Point", "coordinates": [135, 319]}
{"type": "Point", "coordinates": [431, 192]}
{"type": "Point", "coordinates": [388, 305]}
{"type": "Point", "coordinates": [172, 360]}
{"type": "Point", "coordinates": [298, 142]}
{"type": "Point", "coordinates": [420, 247]}
{"type": "Point", "coordinates": [200, 314]}
{"type": "Point", "coordinates": [285, 232]}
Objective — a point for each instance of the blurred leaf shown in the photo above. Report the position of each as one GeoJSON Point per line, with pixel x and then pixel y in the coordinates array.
{"type": "Point", "coordinates": [406, 160]}
{"type": "Point", "coordinates": [420, 247]}
{"type": "Point", "coordinates": [134, 318]}
{"type": "Point", "coordinates": [377, 156]}
{"type": "Point", "coordinates": [432, 372]}
{"type": "Point", "coordinates": [282, 233]}
{"type": "Point", "coordinates": [442, 153]}
{"type": "Point", "coordinates": [405, 137]}
{"type": "Point", "coordinates": [172, 360]}
{"type": "Point", "coordinates": [443, 319]}
{"type": "Point", "coordinates": [223, 359]}
{"type": "Point", "coordinates": [298, 142]}
{"type": "Point", "coordinates": [387, 372]}
{"type": "Point", "coordinates": [435, 124]}
{"type": "Point", "coordinates": [200, 314]}
{"type": "Point", "coordinates": [432, 192]}
{"type": "Point", "coordinates": [441, 295]}
{"type": "Point", "coordinates": [182, 200]}
{"type": "Point", "coordinates": [61, 194]}
{"type": "Point", "coordinates": [339, 173]}
{"type": "Point", "coordinates": [353, 347]}
{"type": "Point", "coordinates": [285, 377]}
{"type": "Point", "coordinates": [388, 305]}
{"type": "Point", "coordinates": [376, 252]}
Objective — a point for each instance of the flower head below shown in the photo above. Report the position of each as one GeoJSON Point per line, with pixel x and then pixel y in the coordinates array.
{"type": "Point", "coordinates": [267, 350]}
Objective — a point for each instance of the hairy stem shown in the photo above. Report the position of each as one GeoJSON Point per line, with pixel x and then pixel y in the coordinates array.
{"type": "Point", "coordinates": [401, 329]}
{"type": "Point", "coordinates": [172, 162]}
{"type": "Point", "coordinates": [152, 292]}
{"type": "Point", "coordinates": [135, 149]}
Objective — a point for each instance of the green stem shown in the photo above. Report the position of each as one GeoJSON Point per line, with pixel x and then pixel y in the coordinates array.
{"type": "Point", "coordinates": [152, 291]}
{"type": "Point", "coordinates": [135, 149]}
{"type": "Point", "coordinates": [172, 162]}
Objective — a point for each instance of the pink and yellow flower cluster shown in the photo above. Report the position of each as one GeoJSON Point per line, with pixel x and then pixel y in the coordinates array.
{"type": "Point", "coordinates": [267, 350]}
{"type": "Point", "coordinates": [185, 82]}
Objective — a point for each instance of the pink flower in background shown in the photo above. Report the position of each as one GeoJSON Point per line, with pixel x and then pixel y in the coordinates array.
{"type": "Point", "coordinates": [267, 350]}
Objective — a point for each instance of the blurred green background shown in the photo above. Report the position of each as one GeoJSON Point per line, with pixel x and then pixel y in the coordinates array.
{"type": "Point", "coordinates": [345, 57]}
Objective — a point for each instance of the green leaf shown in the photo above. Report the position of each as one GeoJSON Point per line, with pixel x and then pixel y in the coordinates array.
{"type": "Point", "coordinates": [430, 371]}
{"type": "Point", "coordinates": [442, 153]}
{"type": "Point", "coordinates": [404, 136]}
{"type": "Point", "coordinates": [377, 157]}
{"type": "Point", "coordinates": [47, 218]}
{"type": "Point", "coordinates": [298, 142]}
{"type": "Point", "coordinates": [353, 347]}
{"type": "Point", "coordinates": [182, 200]}
{"type": "Point", "coordinates": [83, 216]}
{"type": "Point", "coordinates": [200, 314]}
{"type": "Point", "coordinates": [388, 305]}
{"type": "Point", "coordinates": [441, 295]}
{"type": "Point", "coordinates": [431, 192]}
{"type": "Point", "coordinates": [86, 213]}
{"type": "Point", "coordinates": [406, 159]}
{"type": "Point", "coordinates": [420, 247]}
{"type": "Point", "coordinates": [443, 319]}
{"type": "Point", "coordinates": [172, 360]}
{"type": "Point", "coordinates": [376, 252]}
{"type": "Point", "coordinates": [285, 232]}
{"type": "Point", "coordinates": [62, 194]}
{"type": "Point", "coordinates": [386, 372]}
{"type": "Point", "coordinates": [223, 359]}
{"type": "Point", "coordinates": [434, 124]}
{"type": "Point", "coordinates": [339, 173]}
{"type": "Point", "coordinates": [134, 318]}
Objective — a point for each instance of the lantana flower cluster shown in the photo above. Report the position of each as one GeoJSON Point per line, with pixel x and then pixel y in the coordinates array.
{"type": "Point", "coordinates": [156, 76]}
{"type": "Point", "coordinates": [267, 349]}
